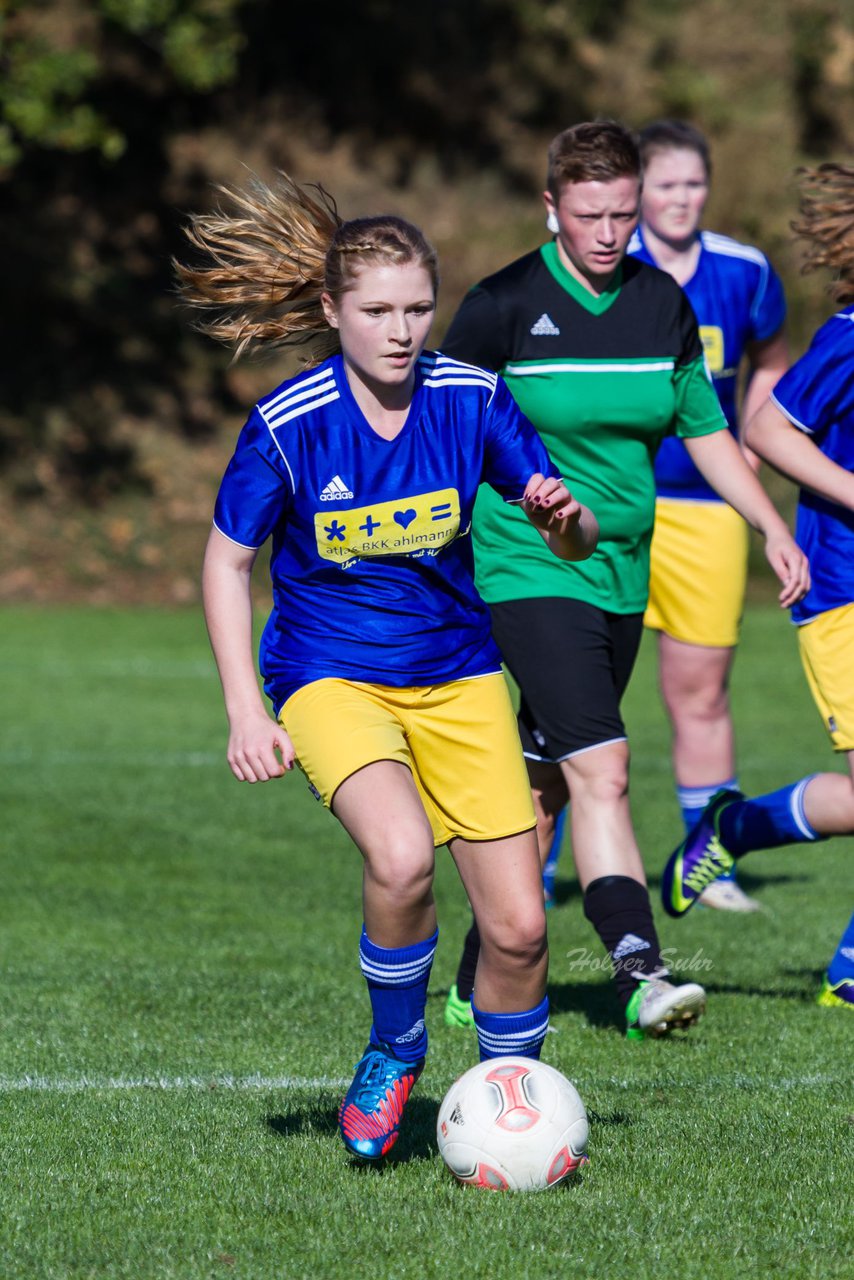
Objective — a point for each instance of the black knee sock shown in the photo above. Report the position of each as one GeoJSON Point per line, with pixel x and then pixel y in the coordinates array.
{"type": "Point", "coordinates": [620, 912]}
{"type": "Point", "coordinates": [468, 963]}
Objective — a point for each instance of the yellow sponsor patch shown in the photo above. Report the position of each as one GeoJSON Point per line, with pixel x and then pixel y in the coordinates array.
{"type": "Point", "coordinates": [712, 338]}
{"type": "Point", "coordinates": [415, 525]}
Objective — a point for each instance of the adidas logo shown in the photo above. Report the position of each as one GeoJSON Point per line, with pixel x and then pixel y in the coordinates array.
{"type": "Point", "coordinates": [412, 1034]}
{"type": "Point", "coordinates": [456, 1116]}
{"type": "Point", "coordinates": [545, 327]}
{"type": "Point", "coordinates": [847, 952]}
{"type": "Point", "coordinates": [628, 944]}
{"type": "Point", "coordinates": [335, 491]}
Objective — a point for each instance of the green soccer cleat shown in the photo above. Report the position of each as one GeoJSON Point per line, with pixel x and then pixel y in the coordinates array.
{"type": "Point", "coordinates": [699, 859]}
{"type": "Point", "coordinates": [657, 1007]}
{"type": "Point", "coordinates": [836, 995]}
{"type": "Point", "coordinates": [458, 1012]}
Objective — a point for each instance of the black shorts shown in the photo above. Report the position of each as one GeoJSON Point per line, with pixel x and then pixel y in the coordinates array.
{"type": "Point", "coordinates": [572, 662]}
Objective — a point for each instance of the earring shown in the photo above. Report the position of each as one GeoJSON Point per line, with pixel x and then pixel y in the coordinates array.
{"type": "Point", "coordinates": [552, 223]}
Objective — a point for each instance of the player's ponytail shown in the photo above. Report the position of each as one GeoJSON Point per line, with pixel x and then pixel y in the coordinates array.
{"type": "Point", "coordinates": [265, 266]}
{"type": "Point", "coordinates": [826, 223]}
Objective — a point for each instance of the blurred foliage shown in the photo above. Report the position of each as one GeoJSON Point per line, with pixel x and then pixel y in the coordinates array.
{"type": "Point", "coordinates": [117, 115]}
{"type": "Point", "coordinates": [59, 57]}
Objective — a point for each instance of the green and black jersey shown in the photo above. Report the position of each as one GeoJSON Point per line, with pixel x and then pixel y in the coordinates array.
{"type": "Point", "coordinates": [603, 379]}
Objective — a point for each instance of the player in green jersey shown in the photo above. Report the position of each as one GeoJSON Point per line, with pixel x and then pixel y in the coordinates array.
{"type": "Point", "coordinates": [603, 354]}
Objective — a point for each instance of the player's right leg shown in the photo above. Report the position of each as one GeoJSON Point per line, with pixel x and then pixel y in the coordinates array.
{"type": "Point", "coordinates": [350, 743]}
{"type": "Point", "coordinates": [381, 810]}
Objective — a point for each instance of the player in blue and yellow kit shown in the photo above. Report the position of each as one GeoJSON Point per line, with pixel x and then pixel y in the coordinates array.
{"type": "Point", "coordinates": [698, 558]}
{"type": "Point", "coordinates": [806, 431]}
{"type": "Point", "coordinates": [377, 656]}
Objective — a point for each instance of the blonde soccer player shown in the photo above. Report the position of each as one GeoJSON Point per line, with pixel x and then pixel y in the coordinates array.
{"type": "Point", "coordinates": [377, 659]}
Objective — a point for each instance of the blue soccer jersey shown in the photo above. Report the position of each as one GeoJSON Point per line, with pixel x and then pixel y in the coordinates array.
{"type": "Point", "coordinates": [817, 396]}
{"type": "Point", "coordinates": [372, 565]}
{"type": "Point", "coordinates": [737, 298]}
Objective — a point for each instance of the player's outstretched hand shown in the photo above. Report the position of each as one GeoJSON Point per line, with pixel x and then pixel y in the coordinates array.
{"type": "Point", "coordinates": [569, 528]}
{"type": "Point", "coordinates": [790, 565]}
{"type": "Point", "coordinates": [259, 749]}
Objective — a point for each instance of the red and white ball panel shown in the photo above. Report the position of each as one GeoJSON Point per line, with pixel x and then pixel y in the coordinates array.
{"type": "Point", "coordinates": [512, 1124]}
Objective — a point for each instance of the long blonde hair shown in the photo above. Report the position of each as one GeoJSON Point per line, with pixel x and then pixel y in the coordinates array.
{"type": "Point", "coordinates": [265, 266]}
{"type": "Point", "coordinates": [826, 223]}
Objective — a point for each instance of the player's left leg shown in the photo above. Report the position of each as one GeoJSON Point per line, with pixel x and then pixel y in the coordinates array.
{"type": "Point", "coordinates": [470, 771]}
{"type": "Point", "coordinates": [837, 988]}
{"type": "Point", "coordinates": [802, 812]}
{"type": "Point", "coordinates": [503, 881]}
{"type": "Point", "coordinates": [731, 826]}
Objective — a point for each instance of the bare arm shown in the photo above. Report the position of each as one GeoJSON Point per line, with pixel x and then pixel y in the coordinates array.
{"type": "Point", "coordinates": [794, 453]}
{"type": "Point", "coordinates": [768, 360]}
{"type": "Point", "coordinates": [569, 529]}
{"type": "Point", "coordinates": [722, 463]}
{"type": "Point", "coordinates": [258, 748]}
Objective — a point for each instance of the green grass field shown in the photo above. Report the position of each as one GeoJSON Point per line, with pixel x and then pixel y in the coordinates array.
{"type": "Point", "coordinates": [182, 1005]}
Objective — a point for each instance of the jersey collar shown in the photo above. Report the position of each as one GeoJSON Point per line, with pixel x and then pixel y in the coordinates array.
{"type": "Point", "coordinates": [596, 305]}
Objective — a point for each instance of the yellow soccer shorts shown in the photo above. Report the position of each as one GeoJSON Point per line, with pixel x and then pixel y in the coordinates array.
{"type": "Point", "coordinates": [459, 741]}
{"type": "Point", "coordinates": [698, 572]}
{"type": "Point", "coordinates": [827, 652]}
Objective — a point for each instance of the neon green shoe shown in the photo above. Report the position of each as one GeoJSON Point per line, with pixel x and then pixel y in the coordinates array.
{"type": "Point", "coordinates": [836, 995]}
{"type": "Point", "coordinates": [458, 1012]}
{"type": "Point", "coordinates": [699, 859]}
{"type": "Point", "coordinates": [657, 1008]}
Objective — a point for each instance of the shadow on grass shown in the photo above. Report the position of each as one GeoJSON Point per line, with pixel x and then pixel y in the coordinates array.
{"type": "Point", "coordinates": [417, 1139]}
{"type": "Point", "coordinates": [612, 1119]}
{"type": "Point", "coordinates": [570, 890]}
{"type": "Point", "coordinates": [597, 1002]}
{"type": "Point", "coordinates": [805, 993]}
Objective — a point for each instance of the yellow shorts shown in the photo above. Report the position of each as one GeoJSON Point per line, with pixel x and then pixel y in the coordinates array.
{"type": "Point", "coordinates": [459, 740]}
{"type": "Point", "coordinates": [698, 572]}
{"type": "Point", "coordinates": [827, 653]}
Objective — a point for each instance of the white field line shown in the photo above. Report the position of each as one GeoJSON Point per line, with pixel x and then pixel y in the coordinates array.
{"type": "Point", "coordinates": [165, 1084]}
{"type": "Point", "coordinates": [293, 1084]}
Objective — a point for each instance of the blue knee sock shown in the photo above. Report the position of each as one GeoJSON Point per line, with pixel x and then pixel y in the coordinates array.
{"type": "Point", "coordinates": [842, 964]}
{"type": "Point", "coordinates": [692, 802]}
{"type": "Point", "coordinates": [765, 822]}
{"type": "Point", "coordinates": [519, 1034]}
{"type": "Point", "coordinates": [397, 981]}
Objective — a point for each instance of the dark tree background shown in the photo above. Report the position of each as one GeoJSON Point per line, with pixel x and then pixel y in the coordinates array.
{"type": "Point", "coordinates": [117, 115]}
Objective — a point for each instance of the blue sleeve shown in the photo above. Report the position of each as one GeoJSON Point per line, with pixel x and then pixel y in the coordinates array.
{"type": "Point", "coordinates": [768, 307]}
{"type": "Point", "coordinates": [514, 450]}
{"type": "Point", "coordinates": [818, 390]}
{"type": "Point", "coordinates": [257, 489]}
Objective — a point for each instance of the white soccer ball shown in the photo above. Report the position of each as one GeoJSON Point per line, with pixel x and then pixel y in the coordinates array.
{"type": "Point", "coordinates": [512, 1124]}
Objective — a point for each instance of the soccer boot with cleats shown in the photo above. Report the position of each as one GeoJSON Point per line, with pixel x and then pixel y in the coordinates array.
{"type": "Point", "coordinates": [836, 995]}
{"type": "Point", "coordinates": [370, 1114]}
{"type": "Point", "coordinates": [457, 1011]}
{"type": "Point", "coordinates": [699, 859]}
{"type": "Point", "coordinates": [658, 1007]}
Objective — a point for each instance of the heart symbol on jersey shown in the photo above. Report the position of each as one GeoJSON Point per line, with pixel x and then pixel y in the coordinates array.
{"type": "Point", "coordinates": [405, 518]}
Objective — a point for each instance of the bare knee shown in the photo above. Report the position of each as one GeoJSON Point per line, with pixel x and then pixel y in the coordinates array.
{"type": "Point", "coordinates": [600, 777]}
{"type": "Point", "coordinates": [518, 941]}
{"type": "Point", "coordinates": [401, 873]}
